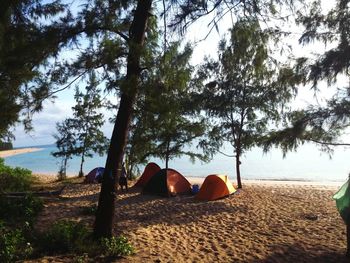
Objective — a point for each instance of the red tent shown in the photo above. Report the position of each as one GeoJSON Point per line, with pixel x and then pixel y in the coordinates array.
{"type": "Point", "coordinates": [150, 170]}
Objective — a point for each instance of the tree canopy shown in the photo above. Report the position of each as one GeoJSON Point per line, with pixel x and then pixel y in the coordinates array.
{"type": "Point", "coordinates": [165, 121]}
{"type": "Point", "coordinates": [244, 90]}
{"type": "Point", "coordinates": [26, 42]}
{"type": "Point", "coordinates": [321, 124]}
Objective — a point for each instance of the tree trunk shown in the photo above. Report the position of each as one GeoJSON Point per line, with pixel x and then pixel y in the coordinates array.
{"type": "Point", "coordinates": [81, 165]}
{"type": "Point", "coordinates": [104, 221]}
{"type": "Point", "coordinates": [238, 171]}
{"type": "Point", "coordinates": [167, 155]}
{"type": "Point", "coordinates": [65, 167]}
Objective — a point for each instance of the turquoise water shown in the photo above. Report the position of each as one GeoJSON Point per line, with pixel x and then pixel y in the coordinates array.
{"type": "Point", "coordinates": [307, 164]}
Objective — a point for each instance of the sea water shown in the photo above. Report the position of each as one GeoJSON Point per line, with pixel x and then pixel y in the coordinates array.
{"type": "Point", "coordinates": [307, 164]}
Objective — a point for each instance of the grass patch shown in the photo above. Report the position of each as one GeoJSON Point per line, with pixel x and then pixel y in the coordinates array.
{"type": "Point", "coordinates": [116, 247]}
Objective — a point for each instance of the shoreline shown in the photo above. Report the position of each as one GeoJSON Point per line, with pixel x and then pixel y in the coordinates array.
{"type": "Point", "coordinates": [48, 177]}
{"type": "Point", "coordinates": [277, 182]}
{"type": "Point", "coordinates": [8, 153]}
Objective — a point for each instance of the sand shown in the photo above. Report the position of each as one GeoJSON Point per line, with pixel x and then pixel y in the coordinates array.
{"type": "Point", "coordinates": [264, 222]}
{"type": "Point", "coordinates": [9, 153]}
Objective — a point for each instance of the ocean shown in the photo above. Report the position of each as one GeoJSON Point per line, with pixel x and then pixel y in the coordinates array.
{"type": "Point", "coordinates": [307, 164]}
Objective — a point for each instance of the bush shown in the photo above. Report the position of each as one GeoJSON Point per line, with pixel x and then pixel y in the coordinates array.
{"type": "Point", "coordinates": [13, 245]}
{"type": "Point", "coordinates": [20, 210]}
{"type": "Point", "coordinates": [65, 236]}
{"type": "Point", "coordinates": [14, 179]}
{"type": "Point", "coordinates": [116, 247]}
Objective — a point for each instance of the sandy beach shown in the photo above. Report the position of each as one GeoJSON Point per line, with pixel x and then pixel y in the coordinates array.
{"type": "Point", "coordinates": [264, 222]}
{"type": "Point", "coordinates": [9, 153]}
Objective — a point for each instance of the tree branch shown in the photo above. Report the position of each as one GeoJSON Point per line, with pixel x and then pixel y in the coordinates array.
{"type": "Point", "coordinates": [328, 143]}
{"type": "Point", "coordinates": [232, 156]}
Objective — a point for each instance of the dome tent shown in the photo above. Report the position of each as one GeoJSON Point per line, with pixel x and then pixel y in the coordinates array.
{"type": "Point", "coordinates": [150, 170]}
{"type": "Point", "coordinates": [94, 176]}
{"type": "Point", "coordinates": [167, 182]}
{"type": "Point", "coordinates": [215, 187]}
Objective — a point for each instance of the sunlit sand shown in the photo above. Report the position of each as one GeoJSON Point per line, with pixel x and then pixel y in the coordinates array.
{"type": "Point", "coordinates": [264, 222]}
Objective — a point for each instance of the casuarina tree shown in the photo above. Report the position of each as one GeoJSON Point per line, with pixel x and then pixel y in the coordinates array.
{"type": "Point", "coordinates": [324, 124]}
{"type": "Point", "coordinates": [88, 121]}
{"type": "Point", "coordinates": [244, 90]}
{"type": "Point", "coordinates": [165, 122]}
{"type": "Point", "coordinates": [65, 143]}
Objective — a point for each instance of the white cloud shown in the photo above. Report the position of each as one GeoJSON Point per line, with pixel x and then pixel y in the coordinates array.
{"type": "Point", "coordinates": [44, 123]}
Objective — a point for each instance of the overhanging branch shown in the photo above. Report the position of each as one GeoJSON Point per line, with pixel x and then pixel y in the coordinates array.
{"type": "Point", "coordinates": [328, 143]}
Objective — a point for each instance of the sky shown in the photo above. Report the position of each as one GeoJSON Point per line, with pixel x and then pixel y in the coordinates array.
{"type": "Point", "coordinates": [44, 122]}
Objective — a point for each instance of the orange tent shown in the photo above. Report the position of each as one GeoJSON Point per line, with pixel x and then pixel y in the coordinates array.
{"type": "Point", "coordinates": [214, 187]}
{"type": "Point", "coordinates": [168, 182]}
{"type": "Point", "coordinates": [150, 170]}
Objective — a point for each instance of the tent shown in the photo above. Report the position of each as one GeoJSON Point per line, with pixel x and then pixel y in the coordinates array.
{"type": "Point", "coordinates": [167, 182]}
{"type": "Point", "coordinates": [214, 187]}
{"type": "Point", "coordinates": [150, 170]}
{"type": "Point", "coordinates": [342, 199]}
{"type": "Point", "coordinates": [95, 175]}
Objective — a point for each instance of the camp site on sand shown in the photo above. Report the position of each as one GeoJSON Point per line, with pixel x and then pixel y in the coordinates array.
{"type": "Point", "coordinates": [174, 131]}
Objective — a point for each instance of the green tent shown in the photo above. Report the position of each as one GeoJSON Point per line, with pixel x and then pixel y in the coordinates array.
{"type": "Point", "coordinates": [342, 199]}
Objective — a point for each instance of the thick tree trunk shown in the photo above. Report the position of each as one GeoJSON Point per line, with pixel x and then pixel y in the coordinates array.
{"type": "Point", "coordinates": [106, 204]}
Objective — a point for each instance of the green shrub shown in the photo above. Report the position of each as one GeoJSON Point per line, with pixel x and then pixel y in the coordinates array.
{"type": "Point", "coordinates": [20, 210]}
{"type": "Point", "coordinates": [14, 179]}
{"type": "Point", "coordinates": [65, 236]}
{"type": "Point", "coordinates": [116, 247]}
{"type": "Point", "coordinates": [13, 245]}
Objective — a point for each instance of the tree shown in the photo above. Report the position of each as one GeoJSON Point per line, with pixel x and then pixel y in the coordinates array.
{"type": "Point", "coordinates": [164, 121]}
{"type": "Point", "coordinates": [65, 142]}
{"type": "Point", "coordinates": [26, 43]}
{"type": "Point", "coordinates": [322, 125]}
{"type": "Point", "coordinates": [81, 135]}
{"type": "Point", "coordinates": [105, 211]}
{"type": "Point", "coordinates": [244, 90]}
{"type": "Point", "coordinates": [87, 123]}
